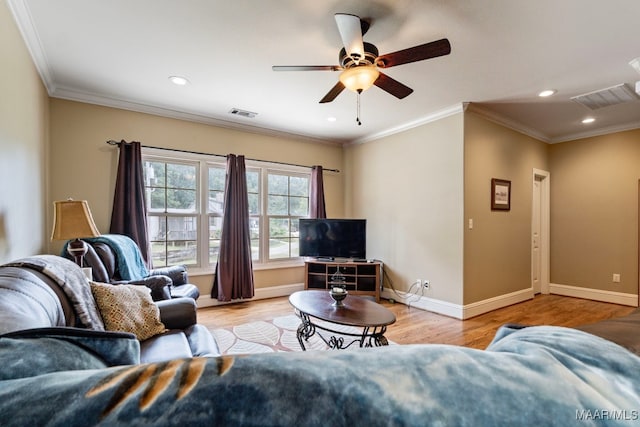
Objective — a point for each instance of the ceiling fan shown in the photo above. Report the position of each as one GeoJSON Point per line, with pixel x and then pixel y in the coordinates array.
{"type": "Point", "coordinates": [360, 62]}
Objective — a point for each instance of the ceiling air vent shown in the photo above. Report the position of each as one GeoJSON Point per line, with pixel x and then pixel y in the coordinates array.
{"type": "Point", "coordinates": [605, 97]}
{"type": "Point", "coordinates": [242, 113]}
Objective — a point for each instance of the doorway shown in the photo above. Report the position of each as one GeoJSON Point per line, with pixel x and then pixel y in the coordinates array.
{"type": "Point", "coordinates": [540, 232]}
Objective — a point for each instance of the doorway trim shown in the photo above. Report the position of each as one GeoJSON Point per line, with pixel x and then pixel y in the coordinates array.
{"type": "Point", "coordinates": [544, 178]}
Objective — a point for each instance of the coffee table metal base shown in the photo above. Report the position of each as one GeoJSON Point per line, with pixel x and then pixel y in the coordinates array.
{"type": "Point", "coordinates": [371, 336]}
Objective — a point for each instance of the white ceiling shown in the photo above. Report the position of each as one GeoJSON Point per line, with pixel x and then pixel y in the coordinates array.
{"type": "Point", "coordinates": [121, 52]}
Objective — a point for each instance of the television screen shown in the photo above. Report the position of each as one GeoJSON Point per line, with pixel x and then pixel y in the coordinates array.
{"type": "Point", "coordinates": [333, 238]}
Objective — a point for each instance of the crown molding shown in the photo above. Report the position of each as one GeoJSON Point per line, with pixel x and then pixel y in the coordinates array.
{"type": "Point", "coordinates": [432, 117]}
{"type": "Point", "coordinates": [507, 122]}
{"type": "Point", "coordinates": [23, 18]}
{"type": "Point", "coordinates": [599, 132]}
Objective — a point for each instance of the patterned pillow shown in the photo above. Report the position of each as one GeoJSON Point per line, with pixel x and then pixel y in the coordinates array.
{"type": "Point", "coordinates": [128, 308]}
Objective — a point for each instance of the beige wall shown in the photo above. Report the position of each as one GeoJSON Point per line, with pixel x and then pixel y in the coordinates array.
{"type": "Point", "coordinates": [497, 251]}
{"type": "Point", "coordinates": [23, 147]}
{"type": "Point", "coordinates": [594, 212]}
{"type": "Point", "coordinates": [409, 188]}
{"type": "Point", "coordinates": [83, 166]}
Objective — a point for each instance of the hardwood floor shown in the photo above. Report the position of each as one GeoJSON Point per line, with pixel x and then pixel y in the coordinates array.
{"type": "Point", "coordinates": [415, 326]}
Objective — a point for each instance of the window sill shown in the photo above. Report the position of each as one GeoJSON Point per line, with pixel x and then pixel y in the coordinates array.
{"type": "Point", "coordinates": [256, 267]}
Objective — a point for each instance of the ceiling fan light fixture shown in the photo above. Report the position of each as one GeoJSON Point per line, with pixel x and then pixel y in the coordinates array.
{"type": "Point", "coordinates": [359, 79]}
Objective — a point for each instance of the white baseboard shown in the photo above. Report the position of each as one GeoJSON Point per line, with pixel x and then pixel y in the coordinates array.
{"type": "Point", "coordinates": [485, 306]}
{"type": "Point", "coordinates": [261, 293]}
{"type": "Point", "coordinates": [594, 294]}
{"type": "Point", "coordinates": [456, 310]}
{"type": "Point", "coordinates": [424, 303]}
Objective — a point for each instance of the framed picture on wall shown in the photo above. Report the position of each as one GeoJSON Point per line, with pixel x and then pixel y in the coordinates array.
{"type": "Point", "coordinates": [500, 194]}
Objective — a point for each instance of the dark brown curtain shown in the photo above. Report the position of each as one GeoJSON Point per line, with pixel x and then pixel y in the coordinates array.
{"type": "Point", "coordinates": [234, 271]}
{"type": "Point", "coordinates": [316, 200]}
{"type": "Point", "coordinates": [129, 215]}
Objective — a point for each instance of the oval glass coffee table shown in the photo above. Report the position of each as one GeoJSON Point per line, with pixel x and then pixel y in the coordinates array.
{"type": "Point", "coordinates": [355, 311]}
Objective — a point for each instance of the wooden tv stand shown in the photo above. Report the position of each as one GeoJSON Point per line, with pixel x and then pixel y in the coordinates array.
{"type": "Point", "coordinates": [362, 278]}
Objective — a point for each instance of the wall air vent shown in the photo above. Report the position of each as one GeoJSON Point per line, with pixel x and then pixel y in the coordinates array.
{"type": "Point", "coordinates": [606, 97]}
{"type": "Point", "coordinates": [242, 113]}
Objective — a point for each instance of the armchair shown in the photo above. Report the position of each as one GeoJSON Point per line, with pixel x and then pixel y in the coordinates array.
{"type": "Point", "coordinates": [116, 259]}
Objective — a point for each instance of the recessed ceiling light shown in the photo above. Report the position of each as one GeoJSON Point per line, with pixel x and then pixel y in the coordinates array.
{"type": "Point", "coordinates": [331, 119]}
{"type": "Point", "coordinates": [178, 80]}
{"type": "Point", "coordinates": [547, 92]}
{"type": "Point", "coordinates": [588, 120]}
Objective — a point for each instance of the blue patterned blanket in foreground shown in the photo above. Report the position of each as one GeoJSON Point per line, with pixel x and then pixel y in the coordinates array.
{"type": "Point", "coordinates": [535, 376]}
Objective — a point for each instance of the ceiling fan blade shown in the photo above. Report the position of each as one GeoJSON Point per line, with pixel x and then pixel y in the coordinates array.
{"type": "Point", "coordinates": [333, 93]}
{"type": "Point", "coordinates": [306, 68]}
{"type": "Point", "coordinates": [350, 29]}
{"type": "Point", "coordinates": [392, 86]}
{"type": "Point", "coordinates": [417, 53]}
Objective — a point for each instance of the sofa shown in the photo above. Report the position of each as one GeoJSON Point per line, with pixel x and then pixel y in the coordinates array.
{"type": "Point", "coordinates": [47, 294]}
{"type": "Point", "coordinates": [537, 375]}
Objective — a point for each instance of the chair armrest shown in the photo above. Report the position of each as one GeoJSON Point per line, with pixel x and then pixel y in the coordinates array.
{"type": "Point", "coordinates": [177, 274]}
{"type": "Point", "coordinates": [159, 286]}
{"type": "Point", "coordinates": [178, 313]}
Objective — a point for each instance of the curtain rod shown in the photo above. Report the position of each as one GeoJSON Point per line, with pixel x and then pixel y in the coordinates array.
{"type": "Point", "coordinates": [113, 142]}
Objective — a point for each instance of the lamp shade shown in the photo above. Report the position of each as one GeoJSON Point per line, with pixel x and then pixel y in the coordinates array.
{"type": "Point", "coordinates": [361, 78]}
{"type": "Point", "coordinates": [72, 220]}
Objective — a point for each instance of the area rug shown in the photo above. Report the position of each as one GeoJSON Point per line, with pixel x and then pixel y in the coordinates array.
{"type": "Point", "coordinates": [275, 335]}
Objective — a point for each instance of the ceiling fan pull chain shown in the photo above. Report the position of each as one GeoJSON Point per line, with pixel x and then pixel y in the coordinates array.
{"type": "Point", "coordinates": [358, 109]}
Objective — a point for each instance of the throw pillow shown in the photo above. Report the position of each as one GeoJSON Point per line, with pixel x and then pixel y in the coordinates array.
{"type": "Point", "coordinates": [128, 308]}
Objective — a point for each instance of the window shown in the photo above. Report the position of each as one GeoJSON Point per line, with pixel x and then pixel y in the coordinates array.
{"type": "Point", "coordinates": [287, 201]}
{"type": "Point", "coordinates": [183, 193]}
{"type": "Point", "coordinates": [172, 208]}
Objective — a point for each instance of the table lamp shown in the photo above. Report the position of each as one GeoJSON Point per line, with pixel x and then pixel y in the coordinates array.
{"type": "Point", "coordinates": [72, 221]}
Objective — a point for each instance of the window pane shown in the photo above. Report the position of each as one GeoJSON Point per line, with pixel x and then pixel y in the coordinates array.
{"type": "Point", "coordinates": [255, 249]}
{"type": "Point", "coordinates": [299, 186]}
{"type": "Point", "coordinates": [299, 206]}
{"type": "Point", "coordinates": [154, 175]}
{"type": "Point", "coordinates": [215, 232]}
{"type": "Point", "coordinates": [295, 241]}
{"type": "Point", "coordinates": [216, 202]}
{"type": "Point", "coordinates": [254, 204]}
{"type": "Point", "coordinates": [214, 250]}
{"type": "Point", "coordinates": [278, 184]}
{"type": "Point", "coordinates": [278, 238]}
{"type": "Point", "coordinates": [253, 181]}
{"type": "Point", "coordinates": [181, 201]}
{"type": "Point", "coordinates": [155, 199]}
{"type": "Point", "coordinates": [216, 178]}
{"type": "Point", "coordinates": [279, 227]}
{"type": "Point", "coordinates": [278, 205]}
{"type": "Point", "coordinates": [181, 176]}
{"type": "Point", "coordinates": [182, 252]}
{"type": "Point", "coordinates": [182, 228]}
{"type": "Point", "coordinates": [254, 233]}
{"type": "Point", "coordinates": [158, 254]}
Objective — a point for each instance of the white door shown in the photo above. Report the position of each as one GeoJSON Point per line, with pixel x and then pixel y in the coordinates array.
{"type": "Point", "coordinates": [540, 232]}
{"type": "Point", "coordinates": [536, 256]}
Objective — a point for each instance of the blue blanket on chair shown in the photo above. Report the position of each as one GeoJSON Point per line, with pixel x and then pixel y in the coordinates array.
{"type": "Point", "coordinates": [130, 264]}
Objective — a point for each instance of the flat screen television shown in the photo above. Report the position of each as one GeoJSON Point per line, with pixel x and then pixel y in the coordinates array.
{"type": "Point", "coordinates": [333, 238]}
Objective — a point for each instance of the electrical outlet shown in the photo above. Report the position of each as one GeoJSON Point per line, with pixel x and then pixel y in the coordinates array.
{"type": "Point", "coordinates": [426, 284]}
{"type": "Point", "coordinates": [616, 278]}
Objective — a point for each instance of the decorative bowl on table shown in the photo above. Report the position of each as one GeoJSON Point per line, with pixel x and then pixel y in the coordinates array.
{"type": "Point", "coordinates": [338, 294]}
